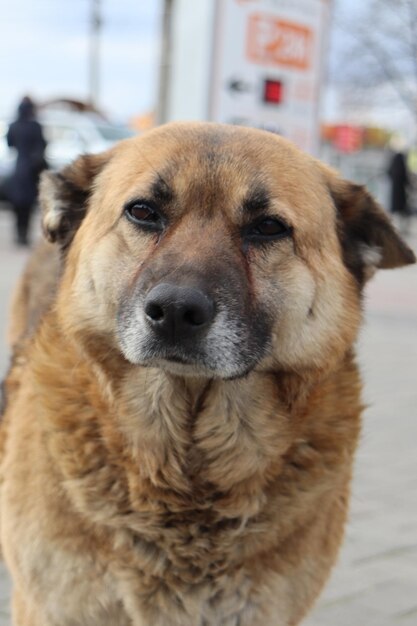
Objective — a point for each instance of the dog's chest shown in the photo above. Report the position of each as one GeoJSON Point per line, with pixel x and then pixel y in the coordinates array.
{"type": "Point", "coordinates": [181, 531]}
{"type": "Point", "coordinates": [189, 575]}
{"type": "Point", "coordinates": [171, 601]}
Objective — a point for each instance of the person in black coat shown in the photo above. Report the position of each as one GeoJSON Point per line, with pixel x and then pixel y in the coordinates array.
{"type": "Point", "coordinates": [400, 182]}
{"type": "Point", "coordinates": [25, 134]}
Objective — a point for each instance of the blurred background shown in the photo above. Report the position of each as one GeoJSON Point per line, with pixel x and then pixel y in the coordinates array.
{"type": "Point", "coordinates": [337, 77]}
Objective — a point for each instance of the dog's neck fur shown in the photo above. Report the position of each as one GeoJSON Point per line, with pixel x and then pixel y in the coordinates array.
{"type": "Point", "coordinates": [188, 442]}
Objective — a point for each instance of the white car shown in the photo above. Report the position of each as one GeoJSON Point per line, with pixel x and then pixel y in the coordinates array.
{"type": "Point", "coordinates": [68, 135]}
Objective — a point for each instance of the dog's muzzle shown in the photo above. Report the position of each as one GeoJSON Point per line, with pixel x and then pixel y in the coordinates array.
{"type": "Point", "coordinates": [192, 327]}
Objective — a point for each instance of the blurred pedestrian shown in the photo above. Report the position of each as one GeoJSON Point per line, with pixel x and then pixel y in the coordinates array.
{"type": "Point", "coordinates": [26, 136]}
{"type": "Point", "coordinates": [400, 183]}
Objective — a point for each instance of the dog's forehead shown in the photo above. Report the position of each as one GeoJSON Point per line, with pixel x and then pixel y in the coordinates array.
{"type": "Point", "coordinates": [184, 154]}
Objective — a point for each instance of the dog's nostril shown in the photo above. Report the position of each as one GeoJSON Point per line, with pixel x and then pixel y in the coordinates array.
{"type": "Point", "coordinates": [195, 317]}
{"type": "Point", "coordinates": [154, 311]}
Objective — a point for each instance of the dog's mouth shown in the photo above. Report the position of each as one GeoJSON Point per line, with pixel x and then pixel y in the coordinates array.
{"type": "Point", "coordinates": [193, 366]}
{"type": "Point", "coordinates": [180, 365]}
{"type": "Point", "coordinates": [175, 358]}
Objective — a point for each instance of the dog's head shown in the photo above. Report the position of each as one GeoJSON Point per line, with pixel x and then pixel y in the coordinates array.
{"type": "Point", "coordinates": [212, 250]}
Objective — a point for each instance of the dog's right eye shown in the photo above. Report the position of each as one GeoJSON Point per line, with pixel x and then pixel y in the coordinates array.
{"type": "Point", "coordinates": [144, 215]}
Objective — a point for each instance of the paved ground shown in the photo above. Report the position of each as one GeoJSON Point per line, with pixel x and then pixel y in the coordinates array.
{"type": "Point", "coordinates": [375, 581]}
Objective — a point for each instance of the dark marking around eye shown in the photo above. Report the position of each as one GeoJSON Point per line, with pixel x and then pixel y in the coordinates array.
{"type": "Point", "coordinates": [257, 202]}
{"type": "Point", "coordinates": [161, 192]}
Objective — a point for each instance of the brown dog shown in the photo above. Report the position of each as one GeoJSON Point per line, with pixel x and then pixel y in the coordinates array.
{"type": "Point", "coordinates": [180, 444]}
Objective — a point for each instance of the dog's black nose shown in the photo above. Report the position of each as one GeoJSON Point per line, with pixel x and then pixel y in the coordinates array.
{"type": "Point", "coordinates": [178, 312]}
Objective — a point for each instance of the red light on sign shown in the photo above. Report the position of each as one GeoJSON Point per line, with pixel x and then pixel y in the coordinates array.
{"type": "Point", "coordinates": [273, 91]}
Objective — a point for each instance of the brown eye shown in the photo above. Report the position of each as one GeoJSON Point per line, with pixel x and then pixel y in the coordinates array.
{"type": "Point", "coordinates": [142, 214]}
{"type": "Point", "coordinates": [268, 228]}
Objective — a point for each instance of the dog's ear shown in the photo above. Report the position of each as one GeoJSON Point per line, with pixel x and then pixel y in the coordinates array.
{"type": "Point", "coordinates": [369, 240]}
{"type": "Point", "coordinates": [64, 196]}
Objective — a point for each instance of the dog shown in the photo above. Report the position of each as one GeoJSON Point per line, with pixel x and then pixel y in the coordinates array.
{"type": "Point", "coordinates": [178, 446]}
{"type": "Point", "coordinates": [33, 293]}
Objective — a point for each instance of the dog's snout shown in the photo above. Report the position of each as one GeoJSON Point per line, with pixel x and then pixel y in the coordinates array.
{"type": "Point", "coordinates": [178, 312]}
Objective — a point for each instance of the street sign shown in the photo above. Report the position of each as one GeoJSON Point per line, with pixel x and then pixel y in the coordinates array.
{"type": "Point", "coordinates": [277, 46]}
{"type": "Point", "coordinates": [250, 62]}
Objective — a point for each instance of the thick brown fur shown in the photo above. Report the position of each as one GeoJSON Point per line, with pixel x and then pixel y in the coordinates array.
{"type": "Point", "coordinates": [34, 292]}
{"type": "Point", "coordinates": [158, 494]}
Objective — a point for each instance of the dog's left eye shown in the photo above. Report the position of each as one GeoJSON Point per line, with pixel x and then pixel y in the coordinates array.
{"type": "Point", "coordinates": [268, 228]}
{"type": "Point", "coordinates": [144, 215]}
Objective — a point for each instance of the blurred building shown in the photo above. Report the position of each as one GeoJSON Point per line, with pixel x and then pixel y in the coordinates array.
{"type": "Point", "coordinates": [360, 153]}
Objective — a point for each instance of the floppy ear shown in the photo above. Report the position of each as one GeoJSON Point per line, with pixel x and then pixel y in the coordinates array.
{"type": "Point", "coordinates": [369, 240]}
{"type": "Point", "coordinates": [64, 196]}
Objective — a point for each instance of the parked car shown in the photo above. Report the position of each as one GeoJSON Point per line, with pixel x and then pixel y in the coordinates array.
{"type": "Point", "coordinates": [68, 134]}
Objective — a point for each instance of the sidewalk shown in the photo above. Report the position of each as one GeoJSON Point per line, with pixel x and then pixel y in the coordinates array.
{"type": "Point", "coordinates": [375, 581]}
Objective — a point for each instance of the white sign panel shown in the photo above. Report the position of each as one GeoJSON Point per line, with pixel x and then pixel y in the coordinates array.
{"type": "Point", "coordinates": [267, 68]}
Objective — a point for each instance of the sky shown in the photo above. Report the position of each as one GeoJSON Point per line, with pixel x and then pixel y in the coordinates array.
{"type": "Point", "coordinates": [44, 51]}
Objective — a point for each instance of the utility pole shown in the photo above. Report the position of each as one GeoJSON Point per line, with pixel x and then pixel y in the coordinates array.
{"type": "Point", "coordinates": [94, 60]}
{"type": "Point", "coordinates": [165, 63]}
